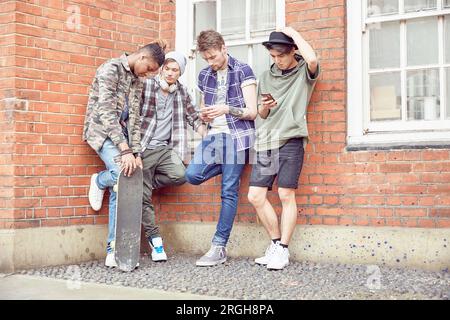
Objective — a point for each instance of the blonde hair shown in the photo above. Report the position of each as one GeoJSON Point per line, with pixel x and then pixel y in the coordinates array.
{"type": "Point", "coordinates": [209, 39]}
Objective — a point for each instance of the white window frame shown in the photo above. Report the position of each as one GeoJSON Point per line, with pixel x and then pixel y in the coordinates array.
{"type": "Point", "coordinates": [185, 28]}
{"type": "Point", "coordinates": [362, 132]}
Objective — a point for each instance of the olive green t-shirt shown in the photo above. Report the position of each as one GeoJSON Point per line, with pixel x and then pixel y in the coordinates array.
{"type": "Point", "coordinates": [287, 120]}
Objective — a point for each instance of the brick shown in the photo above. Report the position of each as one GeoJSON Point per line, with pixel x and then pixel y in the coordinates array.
{"type": "Point", "coordinates": [411, 212]}
{"type": "Point", "coordinates": [54, 223]}
{"type": "Point", "coordinates": [443, 223]}
{"type": "Point", "coordinates": [404, 167]}
{"type": "Point", "coordinates": [441, 213]}
{"type": "Point", "coordinates": [45, 165]}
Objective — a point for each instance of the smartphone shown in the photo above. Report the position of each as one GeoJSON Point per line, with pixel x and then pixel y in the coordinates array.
{"type": "Point", "coordinates": [267, 96]}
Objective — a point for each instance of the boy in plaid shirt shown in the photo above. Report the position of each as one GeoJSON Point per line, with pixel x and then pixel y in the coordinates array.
{"type": "Point", "coordinates": [228, 90]}
{"type": "Point", "coordinates": [166, 112]}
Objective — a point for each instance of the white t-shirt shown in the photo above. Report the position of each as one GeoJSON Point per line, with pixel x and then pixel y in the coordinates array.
{"type": "Point", "coordinates": [220, 124]}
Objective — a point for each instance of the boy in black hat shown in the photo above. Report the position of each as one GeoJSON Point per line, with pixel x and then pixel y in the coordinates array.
{"type": "Point", "coordinates": [284, 92]}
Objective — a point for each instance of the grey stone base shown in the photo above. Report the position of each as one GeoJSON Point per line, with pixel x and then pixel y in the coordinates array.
{"type": "Point", "coordinates": [427, 249]}
{"type": "Point", "coordinates": [31, 248]}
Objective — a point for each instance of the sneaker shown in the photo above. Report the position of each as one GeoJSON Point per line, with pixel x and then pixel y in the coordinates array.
{"type": "Point", "coordinates": [110, 260]}
{"type": "Point", "coordinates": [279, 259]}
{"type": "Point", "coordinates": [158, 253]}
{"type": "Point", "coordinates": [264, 260]}
{"type": "Point", "coordinates": [95, 194]}
{"type": "Point", "coordinates": [216, 255]}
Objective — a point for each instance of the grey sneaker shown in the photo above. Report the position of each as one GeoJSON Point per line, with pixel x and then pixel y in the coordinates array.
{"type": "Point", "coordinates": [216, 255]}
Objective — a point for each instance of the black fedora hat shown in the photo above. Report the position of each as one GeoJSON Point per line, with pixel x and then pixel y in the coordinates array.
{"type": "Point", "coordinates": [277, 37]}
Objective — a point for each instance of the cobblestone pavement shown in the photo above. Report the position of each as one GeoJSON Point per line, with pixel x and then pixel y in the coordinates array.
{"type": "Point", "coordinates": [241, 278]}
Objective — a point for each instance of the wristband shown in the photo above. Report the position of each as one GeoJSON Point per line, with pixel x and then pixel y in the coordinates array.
{"type": "Point", "coordinates": [125, 152]}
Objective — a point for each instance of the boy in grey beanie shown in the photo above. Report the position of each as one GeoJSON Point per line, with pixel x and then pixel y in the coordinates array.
{"type": "Point", "coordinates": [166, 111]}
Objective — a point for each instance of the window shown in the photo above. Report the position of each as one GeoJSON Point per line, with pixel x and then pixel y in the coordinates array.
{"type": "Point", "coordinates": [398, 71]}
{"type": "Point", "coordinates": [244, 24]}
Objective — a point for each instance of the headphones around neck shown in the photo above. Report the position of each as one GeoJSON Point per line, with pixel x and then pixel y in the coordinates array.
{"type": "Point", "coordinates": [166, 87]}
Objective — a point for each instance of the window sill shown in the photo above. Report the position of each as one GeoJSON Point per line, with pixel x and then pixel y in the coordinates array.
{"type": "Point", "coordinates": [399, 141]}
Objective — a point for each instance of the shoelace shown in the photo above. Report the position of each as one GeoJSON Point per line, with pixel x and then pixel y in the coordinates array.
{"type": "Point", "coordinates": [271, 249]}
{"type": "Point", "coordinates": [211, 251]}
{"type": "Point", "coordinates": [282, 250]}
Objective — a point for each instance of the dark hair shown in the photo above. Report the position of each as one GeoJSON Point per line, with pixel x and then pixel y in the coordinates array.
{"type": "Point", "coordinates": [281, 48]}
{"type": "Point", "coordinates": [209, 39]}
{"type": "Point", "coordinates": [156, 51]}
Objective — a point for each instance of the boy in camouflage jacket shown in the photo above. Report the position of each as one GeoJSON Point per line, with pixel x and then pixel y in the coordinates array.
{"type": "Point", "coordinates": [112, 124]}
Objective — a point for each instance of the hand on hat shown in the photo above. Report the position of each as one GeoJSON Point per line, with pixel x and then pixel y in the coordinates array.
{"type": "Point", "coordinates": [289, 31]}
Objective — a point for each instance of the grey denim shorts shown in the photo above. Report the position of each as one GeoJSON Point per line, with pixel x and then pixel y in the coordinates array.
{"type": "Point", "coordinates": [285, 163]}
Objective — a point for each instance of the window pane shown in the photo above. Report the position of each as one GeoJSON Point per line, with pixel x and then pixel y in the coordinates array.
{"type": "Point", "coordinates": [233, 19]}
{"type": "Point", "coordinates": [420, 52]}
{"type": "Point", "coordinates": [200, 63]}
{"type": "Point", "coordinates": [261, 60]}
{"type": "Point", "coordinates": [418, 5]}
{"type": "Point", "coordinates": [262, 17]}
{"type": "Point", "coordinates": [204, 17]}
{"type": "Point", "coordinates": [239, 52]}
{"type": "Point", "coordinates": [381, 7]}
{"type": "Point", "coordinates": [447, 114]}
{"type": "Point", "coordinates": [446, 3]}
{"type": "Point", "coordinates": [423, 94]}
{"type": "Point", "coordinates": [385, 45]}
{"type": "Point", "coordinates": [447, 38]}
{"type": "Point", "coordinates": [385, 97]}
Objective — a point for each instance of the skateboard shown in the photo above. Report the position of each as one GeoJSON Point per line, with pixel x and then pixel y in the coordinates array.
{"type": "Point", "coordinates": [128, 220]}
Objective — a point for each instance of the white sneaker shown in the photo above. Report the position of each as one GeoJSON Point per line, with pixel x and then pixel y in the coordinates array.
{"type": "Point", "coordinates": [110, 260]}
{"type": "Point", "coordinates": [95, 194]}
{"type": "Point", "coordinates": [279, 259]}
{"type": "Point", "coordinates": [158, 253]}
{"type": "Point", "coordinates": [269, 251]}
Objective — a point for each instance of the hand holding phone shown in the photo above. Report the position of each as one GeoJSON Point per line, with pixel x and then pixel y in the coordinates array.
{"type": "Point", "coordinates": [268, 100]}
{"type": "Point", "coordinates": [267, 97]}
{"type": "Point", "coordinates": [204, 116]}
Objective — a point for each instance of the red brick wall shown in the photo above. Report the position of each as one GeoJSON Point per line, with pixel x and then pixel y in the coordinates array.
{"type": "Point", "coordinates": [408, 188]}
{"type": "Point", "coordinates": [7, 101]}
{"type": "Point", "coordinates": [51, 165]}
{"type": "Point", "coordinates": [50, 52]}
{"type": "Point", "coordinates": [375, 188]}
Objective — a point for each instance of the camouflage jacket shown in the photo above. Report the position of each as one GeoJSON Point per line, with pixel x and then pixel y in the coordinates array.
{"type": "Point", "coordinates": [113, 81]}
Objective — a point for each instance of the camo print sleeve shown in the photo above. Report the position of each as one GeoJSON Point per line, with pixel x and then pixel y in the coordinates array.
{"type": "Point", "coordinates": [108, 81]}
{"type": "Point", "coordinates": [135, 118]}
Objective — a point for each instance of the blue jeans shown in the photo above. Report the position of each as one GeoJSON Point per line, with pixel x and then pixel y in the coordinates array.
{"type": "Point", "coordinates": [217, 155]}
{"type": "Point", "coordinates": [107, 179]}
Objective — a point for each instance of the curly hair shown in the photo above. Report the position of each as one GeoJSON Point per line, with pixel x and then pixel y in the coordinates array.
{"type": "Point", "coordinates": [156, 51]}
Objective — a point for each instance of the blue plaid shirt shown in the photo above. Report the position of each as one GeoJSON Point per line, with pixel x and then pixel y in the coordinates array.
{"type": "Point", "coordinates": [242, 131]}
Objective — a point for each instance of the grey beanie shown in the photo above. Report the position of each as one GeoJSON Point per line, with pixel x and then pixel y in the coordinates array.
{"type": "Point", "coordinates": [179, 58]}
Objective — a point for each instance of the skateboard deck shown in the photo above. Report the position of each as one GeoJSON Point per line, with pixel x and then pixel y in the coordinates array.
{"type": "Point", "coordinates": [128, 220]}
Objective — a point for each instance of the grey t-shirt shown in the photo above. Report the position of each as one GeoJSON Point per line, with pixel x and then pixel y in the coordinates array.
{"type": "Point", "coordinates": [164, 110]}
{"type": "Point", "coordinates": [220, 124]}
